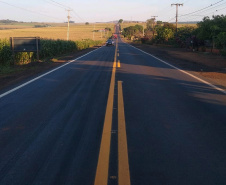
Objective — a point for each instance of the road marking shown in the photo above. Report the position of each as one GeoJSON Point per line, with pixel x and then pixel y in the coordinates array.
{"type": "Point", "coordinates": [187, 73]}
{"type": "Point", "coordinates": [104, 154]}
{"type": "Point", "coordinates": [114, 64]}
{"type": "Point", "coordinates": [19, 87]}
{"type": "Point", "coordinates": [119, 65]}
{"type": "Point", "coordinates": [123, 160]}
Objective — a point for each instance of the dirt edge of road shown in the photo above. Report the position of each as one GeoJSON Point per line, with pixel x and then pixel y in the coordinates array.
{"type": "Point", "coordinates": [207, 66]}
{"type": "Point", "coordinates": [23, 72]}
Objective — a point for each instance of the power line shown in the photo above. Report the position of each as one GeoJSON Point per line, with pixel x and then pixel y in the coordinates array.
{"type": "Point", "coordinates": [78, 16]}
{"type": "Point", "coordinates": [206, 11]}
{"type": "Point", "coordinates": [64, 7]}
{"type": "Point", "coordinates": [201, 9]}
{"type": "Point", "coordinates": [210, 9]}
{"type": "Point", "coordinates": [221, 9]}
{"type": "Point", "coordinates": [53, 4]}
{"type": "Point", "coordinates": [29, 10]}
{"type": "Point", "coordinates": [171, 19]}
{"type": "Point", "coordinates": [169, 10]}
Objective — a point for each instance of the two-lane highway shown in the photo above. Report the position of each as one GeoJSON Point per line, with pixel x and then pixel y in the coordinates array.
{"type": "Point", "coordinates": [114, 116]}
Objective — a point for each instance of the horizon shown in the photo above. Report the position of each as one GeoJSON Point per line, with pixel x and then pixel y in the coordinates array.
{"type": "Point", "coordinates": [54, 11]}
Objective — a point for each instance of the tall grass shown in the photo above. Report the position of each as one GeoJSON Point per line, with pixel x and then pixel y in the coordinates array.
{"type": "Point", "coordinates": [5, 52]}
{"type": "Point", "coordinates": [49, 48]}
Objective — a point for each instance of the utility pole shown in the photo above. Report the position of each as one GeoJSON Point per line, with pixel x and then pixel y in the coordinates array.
{"type": "Point", "coordinates": [154, 18]}
{"type": "Point", "coordinates": [94, 31]}
{"type": "Point", "coordinates": [68, 23]}
{"type": "Point", "coordinates": [177, 4]}
{"type": "Point", "coordinates": [143, 30]}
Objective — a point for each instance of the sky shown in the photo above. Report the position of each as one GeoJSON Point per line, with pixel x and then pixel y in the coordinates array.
{"type": "Point", "coordinates": [108, 10]}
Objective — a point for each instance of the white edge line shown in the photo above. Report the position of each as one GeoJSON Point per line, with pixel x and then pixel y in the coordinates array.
{"type": "Point", "coordinates": [189, 74]}
{"type": "Point", "coordinates": [26, 83]}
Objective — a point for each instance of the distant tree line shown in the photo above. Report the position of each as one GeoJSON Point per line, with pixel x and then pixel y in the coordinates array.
{"type": "Point", "coordinates": [7, 21]}
{"type": "Point", "coordinates": [42, 25]}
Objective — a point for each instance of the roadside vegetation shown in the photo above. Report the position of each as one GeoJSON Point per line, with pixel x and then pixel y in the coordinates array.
{"type": "Point", "coordinates": [53, 41]}
{"type": "Point", "coordinates": [49, 48]}
{"type": "Point", "coordinates": [207, 35]}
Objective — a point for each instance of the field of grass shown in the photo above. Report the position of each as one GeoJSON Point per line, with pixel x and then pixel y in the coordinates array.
{"type": "Point", "coordinates": [184, 25]}
{"type": "Point", "coordinates": [77, 31]}
{"type": "Point", "coordinates": [12, 26]}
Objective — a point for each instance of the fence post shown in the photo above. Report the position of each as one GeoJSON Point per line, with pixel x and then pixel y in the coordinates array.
{"type": "Point", "coordinates": [37, 39]}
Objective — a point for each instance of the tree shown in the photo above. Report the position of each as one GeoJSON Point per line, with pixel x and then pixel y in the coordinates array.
{"type": "Point", "coordinates": [164, 34]}
{"type": "Point", "coordinates": [159, 23]}
{"type": "Point", "coordinates": [86, 23]}
{"type": "Point", "coordinates": [120, 21]}
{"type": "Point", "coordinates": [221, 40]}
{"type": "Point", "coordinates": [136, 31]}
{"type": "Point", "coordinates": [148, 34]}
{"type": "Point", "coordinates": [150, 24]}
{"type": "Point", "coordinates": [208, 29]}
{"type": "Point", "coordinates": [170, 26]}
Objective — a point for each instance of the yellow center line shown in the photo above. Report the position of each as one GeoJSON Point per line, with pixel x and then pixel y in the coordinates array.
{"type": "Point", "coordinates": [123, 160]}
{"type": "Point", "coordinates": [118, 64]}
{"type": "Point", "coordinates": [104, 154]}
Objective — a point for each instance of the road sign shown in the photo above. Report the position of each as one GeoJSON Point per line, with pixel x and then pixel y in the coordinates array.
{"type": "Point", "coordinates": [25, 44]}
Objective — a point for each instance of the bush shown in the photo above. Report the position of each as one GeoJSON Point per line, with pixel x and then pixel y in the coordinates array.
{"type": "Point", "coordinates": [164, 34]}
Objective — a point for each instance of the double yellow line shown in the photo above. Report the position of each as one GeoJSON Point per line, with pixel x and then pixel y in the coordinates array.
{"type": "Point", "coordinates": [123, 161]}
{"type": "Point", "coordinates": [104, 154]}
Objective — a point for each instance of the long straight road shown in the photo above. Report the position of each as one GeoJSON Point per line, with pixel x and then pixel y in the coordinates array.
{"type": "Point", "coordinates": [114, 116]}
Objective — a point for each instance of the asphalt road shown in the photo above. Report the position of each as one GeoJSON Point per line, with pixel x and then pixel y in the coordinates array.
{"type": "Point", "coordinates": [144, 121]}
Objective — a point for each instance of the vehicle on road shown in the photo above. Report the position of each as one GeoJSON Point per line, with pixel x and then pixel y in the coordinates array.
{"type": "Point", "coordinates": [115, 36]}
{"type": "Point", "coordinates": [110, 42]}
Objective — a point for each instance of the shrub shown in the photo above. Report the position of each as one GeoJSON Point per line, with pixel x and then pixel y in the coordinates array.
{"type": "Point", "coordinates": [164, 34]}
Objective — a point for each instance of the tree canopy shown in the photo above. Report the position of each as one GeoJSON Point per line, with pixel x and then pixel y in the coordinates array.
{"type": "Point", "coordinates": [120, 21]}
